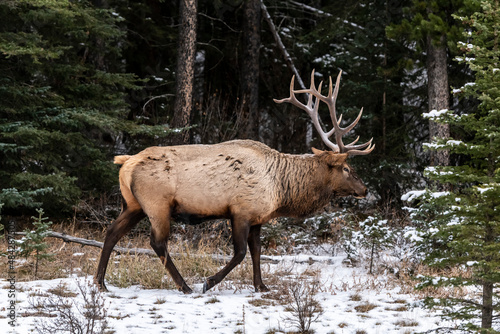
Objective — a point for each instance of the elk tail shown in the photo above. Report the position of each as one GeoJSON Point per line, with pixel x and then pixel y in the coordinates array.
{"type": "Point", "coordinates": [121, 159]}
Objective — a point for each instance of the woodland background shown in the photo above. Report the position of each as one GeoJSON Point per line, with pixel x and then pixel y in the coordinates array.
{"type": "Point", "coordinates": [81, 81]}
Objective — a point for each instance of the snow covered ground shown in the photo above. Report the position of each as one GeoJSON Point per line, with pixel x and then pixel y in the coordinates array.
{"type": "Point", "coordinates": [352, 300]}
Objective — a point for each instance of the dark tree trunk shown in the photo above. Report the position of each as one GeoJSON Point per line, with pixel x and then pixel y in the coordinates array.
{"type": "Point", "coordinates": [487, 304]}
{"type": "Point", "coordinates": [487, 307]}
{"type": "Point", "coordinates": [250, 69]}
{"type": "Point", "coordinates": [185, 70]}
{"type": "Point", "coordinates": [438, 94]}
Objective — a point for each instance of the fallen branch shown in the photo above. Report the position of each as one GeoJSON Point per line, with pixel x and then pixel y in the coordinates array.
{"type": "Point", "coordinates": [95, 243]}
{"type": "Point", "coordinates": [144, 251]}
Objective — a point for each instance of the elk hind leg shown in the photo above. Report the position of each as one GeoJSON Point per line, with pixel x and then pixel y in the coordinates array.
{"type": "Point", "coordinates": [127, 219]}
{"type": "Point", "coordinates": [160, 232]}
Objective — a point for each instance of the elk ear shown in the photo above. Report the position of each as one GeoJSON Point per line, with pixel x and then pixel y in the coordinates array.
{"type": "Point", "coordinates": [335, 159]}
{"type": "Point", "coordinates": [331, 158]}
{"type": "Point", "coordinates": [316, 151]}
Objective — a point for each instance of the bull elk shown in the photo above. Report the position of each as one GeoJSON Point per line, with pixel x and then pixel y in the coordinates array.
{"type": "Point", "coordinates": [241, 180]}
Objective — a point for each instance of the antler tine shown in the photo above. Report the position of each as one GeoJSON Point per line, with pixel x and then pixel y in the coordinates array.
{"type": "Point", "coordinates": [351, 146]}
{"type": "Point", "coordinates": [354, 142]}
{"type": "Point", "coordinates": [292, 99]}
{"type": "Point", "coordinates": [312, 108]}
{"type": "Point", "coordinates": [362, 152]}
{"type": "Point", "coordinates": [350, 149]}
{"type": "Point", "coordinates": [353, 124]}
{"type": "Point", "coordinates": [315, 116]}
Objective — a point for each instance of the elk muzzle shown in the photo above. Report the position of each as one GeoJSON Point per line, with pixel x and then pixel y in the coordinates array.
{"type": "Point", "coordinates": [361, 192]}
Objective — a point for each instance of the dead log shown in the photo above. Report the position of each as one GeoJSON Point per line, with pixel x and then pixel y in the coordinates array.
{"type": "Point", "coordinates": [143, 251]}
{"type": "Point", "coordinates": [95, 243]}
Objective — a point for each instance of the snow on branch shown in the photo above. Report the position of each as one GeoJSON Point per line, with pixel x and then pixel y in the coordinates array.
{"type": "Point", "coordinates": [433, 114]}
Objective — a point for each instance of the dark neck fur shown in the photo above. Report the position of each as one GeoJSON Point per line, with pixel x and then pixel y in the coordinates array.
{"type": "Point", "coordinates": [301, 185]}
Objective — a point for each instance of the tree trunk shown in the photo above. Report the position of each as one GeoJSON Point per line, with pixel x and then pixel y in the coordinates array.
{"type": "Point", "coordinates": [487, 307]}
{"type": "Point", "coordinates": [438, 94]}
{"type": "Point", "coordinates": [487, 304]}
{"type": "Point", "coordinates": [185, 70]}
{"type": "Point", "coordinates": [250, 71]}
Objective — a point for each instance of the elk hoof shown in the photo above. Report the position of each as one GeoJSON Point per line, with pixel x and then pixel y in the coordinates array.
{"type": "Point", "coordinates": [261, 288]}
{"type": "Point", "coordinates": [102, 287]}
{"type": "Point", "coordinates": [209, 283]}
{"type": "Point", "coordinates": [186, 289]}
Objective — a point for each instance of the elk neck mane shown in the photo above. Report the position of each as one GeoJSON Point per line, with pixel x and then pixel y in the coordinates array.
{"type": "Point", "coordinates": [300, 183]}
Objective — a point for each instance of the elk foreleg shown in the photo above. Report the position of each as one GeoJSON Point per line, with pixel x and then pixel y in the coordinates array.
{"type": "Point", "coordinates": [240, 234]}
{"type": "Point", "coordinates": [255, 246]}
{"type": "Point", "coordinates": [121, 226]}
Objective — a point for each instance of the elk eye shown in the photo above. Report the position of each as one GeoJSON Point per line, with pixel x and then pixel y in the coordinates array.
{"type": "Point", "coordinates": [346, 169]}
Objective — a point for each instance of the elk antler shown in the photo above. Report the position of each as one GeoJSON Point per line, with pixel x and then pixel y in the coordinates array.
{"type": "Point", "coordinates": [330, 100]}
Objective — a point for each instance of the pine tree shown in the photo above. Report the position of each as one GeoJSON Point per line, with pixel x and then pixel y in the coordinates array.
{"type": "Point", "coordinates": [62, 101]}
{"type": "Point", "coordinates": [33, 243]}
{"type": "Point", "coordinates": [428, 27]}
{"type": "Point", "coordinates": [378, 78]}
{"type": "Point", "coordinates": [461, 227]}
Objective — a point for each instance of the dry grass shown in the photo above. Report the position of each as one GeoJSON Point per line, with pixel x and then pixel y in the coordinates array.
{"type": "Point", "coordinates": [194, 259]}
{"type": "Point", "coordinates": [365, 307]}
{"type": "Point", "coordinates": [407, 323]}
{"type": "Point", "coordinates": [62, 290]}
{"type": "Point", "coordinates": [261, 302]}
{"type": "Point", "coordinates": [212, 300]}
{"type": "Point", "coordinates": [355, 298]}
{"type": "Point", "coordinates": [195, 263]}
{"type": "Point", "coordinates": [397, 309]}
{"type": "Point", "coordinates": [405, 280]}
{"type": "Point", "coordinates": [343, 325]}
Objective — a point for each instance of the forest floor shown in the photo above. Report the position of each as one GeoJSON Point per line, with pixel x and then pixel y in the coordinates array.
{"type": "Point", "coordinates": [312, 288]}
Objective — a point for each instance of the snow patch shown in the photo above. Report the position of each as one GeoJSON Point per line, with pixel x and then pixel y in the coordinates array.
{"type": "Point", "coordinates": [412, 195]}
{"type": "Point", "coordinates": [435, 113]}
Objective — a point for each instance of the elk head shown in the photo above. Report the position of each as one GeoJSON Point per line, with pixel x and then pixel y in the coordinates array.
{"type": "Point", "coordinates": [343, 177]}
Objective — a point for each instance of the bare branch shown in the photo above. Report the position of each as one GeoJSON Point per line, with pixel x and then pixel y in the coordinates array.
{"type": "Point", "coordinates": [280, 44]}
{"type": "Point", "coordinates": [154, 98]}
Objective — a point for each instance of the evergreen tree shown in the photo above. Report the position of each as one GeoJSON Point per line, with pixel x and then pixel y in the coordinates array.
{"type": "Point", "coordinates": [430, 29]}
{"type": "Point", "coordinates": [62, 101]}
{"type": "Point", "coordinates": [461, 227]}
{"type": "Point", "coordinates": [351, 37]}
{"type": "Point", "coordinates": [33, 243]}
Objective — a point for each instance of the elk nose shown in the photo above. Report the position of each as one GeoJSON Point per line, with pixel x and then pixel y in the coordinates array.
{"type": "Point", "coordinates": [362, 193]}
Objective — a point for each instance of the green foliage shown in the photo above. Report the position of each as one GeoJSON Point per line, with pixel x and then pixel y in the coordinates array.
{"type": "Point", "coordinates": [376, 236]}
{"type": "Point", "coordinates": [13, 198]}
{"type": "Point", "coordinates": [432, 19]}
{"type": "Point", "coordinates": [352, 38]}
{"type": "Point", "coordinates": [461, 227]}
{"type": "Point", "coordinates": [62, 102]}
{"type": "Point", "coordinates": [1, 225]}
{"type": "Point", "coordinates": [33, 242]}
{"type": "Point", "coordinates": [372, 234]}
